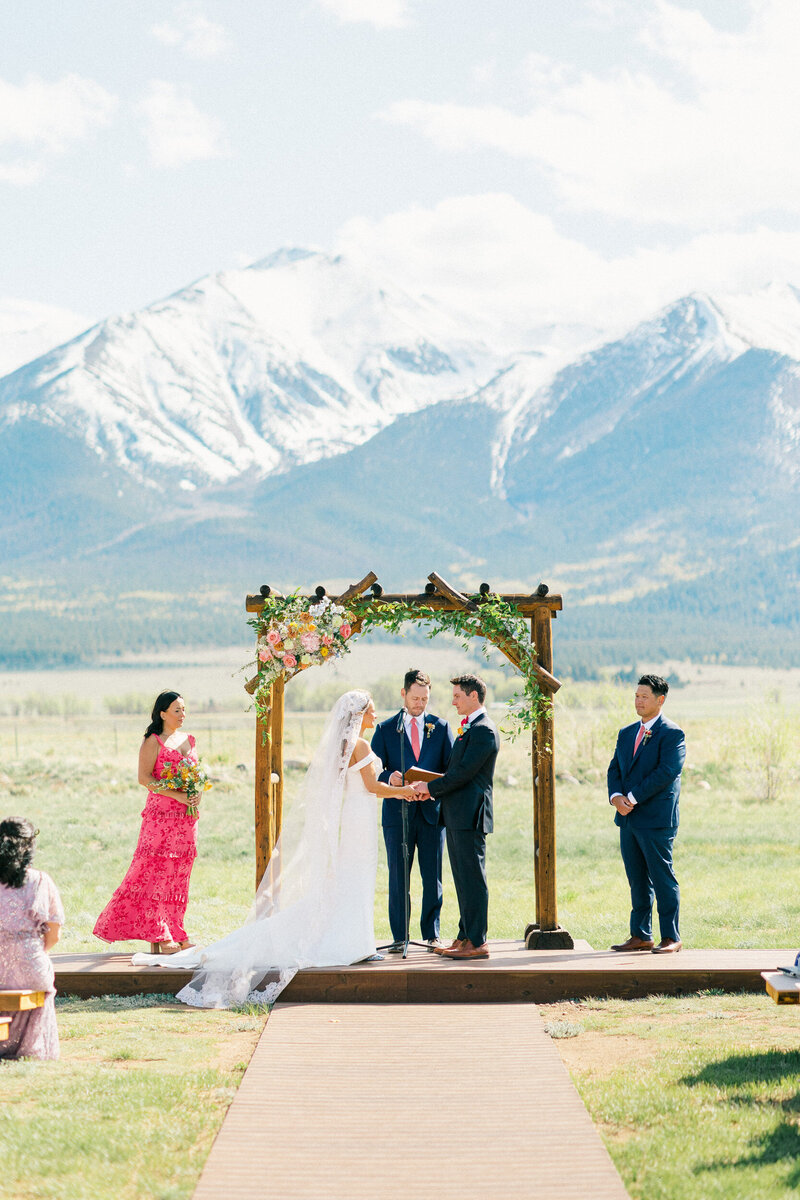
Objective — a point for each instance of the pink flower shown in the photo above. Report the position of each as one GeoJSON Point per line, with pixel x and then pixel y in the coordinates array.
{"type": "Point", "coordinates": [273, 637]}
{"type": "Point", "coordinates": [309, 642]}
{"type": "Point", "coordinates": [289, 661]}
{"type": "Point", "coordinates": [345, 630]}
{"type": "Point", "coordinates": [327, 639]}
{"type": "Point", "coordinates": [264, 654]}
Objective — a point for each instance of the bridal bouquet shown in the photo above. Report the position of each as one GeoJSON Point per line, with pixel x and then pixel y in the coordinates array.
{"type": "Point", "coordinates": [186, 776]}
{"type": "Point", "coordinates": [301, 637]}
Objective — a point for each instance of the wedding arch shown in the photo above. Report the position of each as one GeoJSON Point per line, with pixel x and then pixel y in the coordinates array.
{"type": "Point", "coordinates": [500, 619]}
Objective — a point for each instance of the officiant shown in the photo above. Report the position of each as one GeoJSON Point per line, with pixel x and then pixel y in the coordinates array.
{"type": "Point", "coordinates": [413, 737]}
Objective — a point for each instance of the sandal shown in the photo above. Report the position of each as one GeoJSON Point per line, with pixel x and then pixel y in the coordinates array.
{"type": "Point", "coordinates": [164, 947]}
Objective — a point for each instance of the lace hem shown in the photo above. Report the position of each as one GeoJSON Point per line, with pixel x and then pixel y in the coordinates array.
{"type": "Point", "coordinates": [234, 991]}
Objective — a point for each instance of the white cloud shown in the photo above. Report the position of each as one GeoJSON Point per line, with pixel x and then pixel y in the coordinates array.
{"type": "Point", "coordinates": [194, 34]}
{"type": "Point", "coordinates": [40, 120]}
{"type": "Point", "coordinates": [706, 137]}
{"type": "Point", "coordinates": [177, 132]}
{"type": "Point", "coordinates": [383, 14]}
{"type": "Point", "coordinates": [490, 254]}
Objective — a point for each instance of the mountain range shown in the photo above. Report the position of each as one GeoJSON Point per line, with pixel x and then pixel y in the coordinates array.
{"type": "Point", "coordinates": [304, 421]}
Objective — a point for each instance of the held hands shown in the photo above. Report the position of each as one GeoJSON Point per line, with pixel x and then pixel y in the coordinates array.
{"type": "Point", "coordinates": [421, 790]}
{"type": "Point", "coordinates": [407, 792]}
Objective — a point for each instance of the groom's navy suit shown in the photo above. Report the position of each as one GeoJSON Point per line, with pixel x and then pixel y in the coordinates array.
{"type": "Point", "coordinates": [466, 795]}
{"type": "Point", "coordinates": [424, 832]}
{"type": "Point", "coordinates": [647, 833]}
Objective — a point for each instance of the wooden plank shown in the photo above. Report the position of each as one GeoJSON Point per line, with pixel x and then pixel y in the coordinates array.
{"type": "Point", "coordinates": [21, 1001]}
{"type": "Point", "coordinates": [782, 988]}
{"type": "Point", "coordinates": [5, 1030]}
{"type": "Point", "coordinates": [547, 913]}
{"type": "Point", "coordinates": [402, 1101]}
{"type": "Point", "coordinates": [526, 604]}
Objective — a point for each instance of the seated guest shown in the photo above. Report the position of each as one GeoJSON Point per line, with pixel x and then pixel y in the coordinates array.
{"type": "Point", "coordinates": [31, 917]}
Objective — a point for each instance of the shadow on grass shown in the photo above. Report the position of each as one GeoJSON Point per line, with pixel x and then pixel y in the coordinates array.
{"type": "Point", "coordinates": [116, 1003]}
{"type": "Point", "coordinates": [741, 1079]}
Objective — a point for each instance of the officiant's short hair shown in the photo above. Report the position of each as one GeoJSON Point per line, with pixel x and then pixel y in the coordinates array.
{"type": "Point", "coordinates": [470, 684]}
{"type": "Point", "coordinates": [413, 676]}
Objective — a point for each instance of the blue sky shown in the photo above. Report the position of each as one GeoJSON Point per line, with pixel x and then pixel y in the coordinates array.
{"type": "Point", "coordinates": [558, 159]}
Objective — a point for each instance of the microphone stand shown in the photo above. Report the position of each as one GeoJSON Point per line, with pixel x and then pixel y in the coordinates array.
{"type": "Point", "coordinates": [406, 856]}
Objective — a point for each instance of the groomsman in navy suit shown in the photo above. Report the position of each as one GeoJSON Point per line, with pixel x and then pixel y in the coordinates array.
{"type": "Point", "coordinates": [427, 742]}
{"type": "Point", "coordinates": [644, 783]}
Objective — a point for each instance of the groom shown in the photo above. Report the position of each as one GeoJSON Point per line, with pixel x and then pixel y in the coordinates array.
{"type": "Point", "coordinates": [465, 791]}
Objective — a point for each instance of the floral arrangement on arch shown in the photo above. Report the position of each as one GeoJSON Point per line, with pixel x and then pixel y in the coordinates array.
{"type": "Point", "coordinates": [294, 635]}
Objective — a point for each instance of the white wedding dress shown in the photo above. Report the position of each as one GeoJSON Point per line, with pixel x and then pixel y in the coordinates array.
{"type": "Point", "coordinates": [317, 909]}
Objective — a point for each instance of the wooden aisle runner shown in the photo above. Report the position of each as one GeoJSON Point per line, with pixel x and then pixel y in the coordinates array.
{"type": "Point", "coordinates": [373, 1102]}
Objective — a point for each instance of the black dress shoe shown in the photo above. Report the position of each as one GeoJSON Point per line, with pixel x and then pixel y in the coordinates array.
{"type": "Point", "coordinates": [395, 948]}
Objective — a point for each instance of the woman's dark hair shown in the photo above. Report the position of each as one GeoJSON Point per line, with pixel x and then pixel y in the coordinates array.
{"type": "Point", "coordinates": [163, 701]}
{"type": "Point", "coordinates": [17, 839]}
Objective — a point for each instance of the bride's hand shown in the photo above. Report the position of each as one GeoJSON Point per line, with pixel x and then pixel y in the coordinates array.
{"type": "Point", "coordinates": [407, 792]}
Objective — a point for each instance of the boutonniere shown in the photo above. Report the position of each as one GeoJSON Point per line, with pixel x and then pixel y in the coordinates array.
{"type": "Point", "coordinates": [648, 733]}
{"type": "Point", "coordinates": [429, 728]}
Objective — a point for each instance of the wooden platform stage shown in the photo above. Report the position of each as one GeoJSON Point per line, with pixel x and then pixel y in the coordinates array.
{"type": "Point", "coordinates": [512, 973]}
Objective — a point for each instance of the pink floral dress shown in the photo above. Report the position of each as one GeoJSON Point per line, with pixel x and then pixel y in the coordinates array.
{"type": "Point", "coordinates": [25, 964]}
{"type": "Point", "coordinates": [150, 903]}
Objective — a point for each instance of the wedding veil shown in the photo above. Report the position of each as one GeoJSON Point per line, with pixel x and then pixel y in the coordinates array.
{"type": "Point", "coordinates": [287, 919]}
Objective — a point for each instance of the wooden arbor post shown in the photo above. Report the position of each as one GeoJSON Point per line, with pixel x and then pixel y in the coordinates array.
{"type": "Point", "coordinates": [541, 609]}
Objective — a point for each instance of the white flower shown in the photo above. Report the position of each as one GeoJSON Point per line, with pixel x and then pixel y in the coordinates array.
{"type": "Point", "coordinates": [336, 622]}
{"type": "Point", "coordinates": [306, 660]}
{"type": "Point", "coordinates": [288, 644]}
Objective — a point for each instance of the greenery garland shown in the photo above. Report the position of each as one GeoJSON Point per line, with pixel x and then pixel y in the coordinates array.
{"type": "Point", "coordinates": [496, 621]}
{"type": "Point", "coordinates": [329, 630]}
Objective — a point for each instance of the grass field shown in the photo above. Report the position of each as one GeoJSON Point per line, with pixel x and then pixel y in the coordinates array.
{"type": "Point", "coordinates": [696, 1097]}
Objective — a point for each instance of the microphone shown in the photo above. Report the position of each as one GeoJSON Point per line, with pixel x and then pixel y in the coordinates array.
{"type": "Point", "coordinates": [400, 721]}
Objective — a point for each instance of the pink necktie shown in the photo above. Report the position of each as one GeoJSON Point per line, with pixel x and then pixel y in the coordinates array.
{"type": "Point", "coordinates": [415, 738]}
{"type": "Point", "coordinates": [638, 741]}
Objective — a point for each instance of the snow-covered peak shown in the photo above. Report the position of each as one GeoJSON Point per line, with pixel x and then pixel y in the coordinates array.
{"type": "Point", "coordinates": [29, 329]}
{"type": "Point", "coordinates": [767, 319]}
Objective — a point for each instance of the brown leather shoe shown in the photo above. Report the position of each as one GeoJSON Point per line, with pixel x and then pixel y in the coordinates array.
{"type": "Point", "coordinates": [667, 946]}
{"type": "Point", "coordinates": [456, 944]}
{"type": "Point", "coordinates": [467, 950]}
{"type": "Point", "coordinates": [633, 943]}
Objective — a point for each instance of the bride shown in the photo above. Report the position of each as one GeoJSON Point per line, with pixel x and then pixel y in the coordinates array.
{"type": "Point", "coordinates": [314, 906]}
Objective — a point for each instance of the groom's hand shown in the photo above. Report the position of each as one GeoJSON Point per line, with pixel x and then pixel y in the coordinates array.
{"type": "Point", "coordinates": [421, 789]}
{"type": "Point", "coordinates": [396, 779]}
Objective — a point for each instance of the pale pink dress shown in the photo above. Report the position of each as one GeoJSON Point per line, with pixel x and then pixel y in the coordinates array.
{"type": "Point", "coordinates": [150, 903]}
{"type": "Point", "coordinates": [26, 965]}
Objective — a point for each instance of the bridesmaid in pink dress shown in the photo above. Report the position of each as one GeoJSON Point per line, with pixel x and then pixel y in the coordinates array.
{"type": "Point", "coordinates": [31, 917]}
{"type": "Point", "coordinates": [150, 903]}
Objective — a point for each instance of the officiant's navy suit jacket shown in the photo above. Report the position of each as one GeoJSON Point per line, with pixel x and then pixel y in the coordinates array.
{"type": "Point", "coordinates": [434, 755]}
{"type": "Point", "coordinates": [466, 789]}
{"type": "Point", "coordinates": [654, 775]}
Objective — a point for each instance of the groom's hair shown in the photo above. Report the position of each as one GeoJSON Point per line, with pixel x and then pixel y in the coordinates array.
{"type": "Point", "coordinates": [470, 684]}
{"type": "Point", "coordinates": [657, 685]}
{"type": "Point", "coordinates": [413, 676]}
